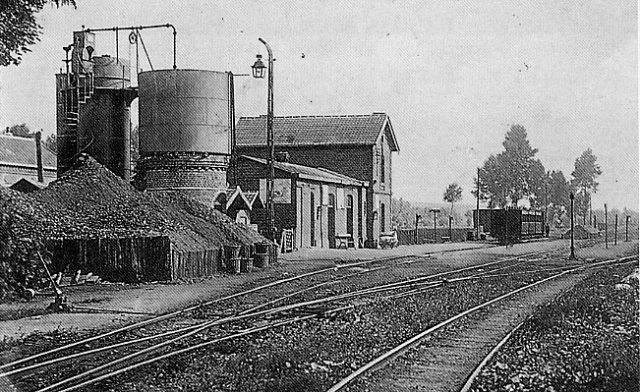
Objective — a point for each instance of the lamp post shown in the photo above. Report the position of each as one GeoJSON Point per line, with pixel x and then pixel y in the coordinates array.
{"type": "Point", "coordinates": [418, 217]}
{"type": "Point", "coordinates": [572, 256]}
{"type": "Point", "coordinates": [435, 215]}
{"type": "Point", "coordinates": [626, 229]}
{"type": "Point", "coordinates": [478, 206]}
{"type": "Point", "coordinates": [258, 69]}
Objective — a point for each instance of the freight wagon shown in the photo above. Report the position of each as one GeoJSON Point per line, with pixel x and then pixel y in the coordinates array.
{"type": "Point", "coordinates": [511, 225]}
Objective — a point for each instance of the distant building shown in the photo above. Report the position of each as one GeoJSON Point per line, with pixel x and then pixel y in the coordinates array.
{"type": "Point", "coordinates": [317, 205]}
{"type": "Point", "coordinates": [18, 160]}
{"type": "Point", "coordinates": [357, 146]}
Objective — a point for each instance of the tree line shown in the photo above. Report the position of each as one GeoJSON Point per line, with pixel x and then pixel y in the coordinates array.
{"type": "Point", "coordinates": [516, 175]}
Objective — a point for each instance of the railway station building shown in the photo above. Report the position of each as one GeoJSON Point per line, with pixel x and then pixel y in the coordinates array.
{"type": "Point", "coordinates": [359, 147]}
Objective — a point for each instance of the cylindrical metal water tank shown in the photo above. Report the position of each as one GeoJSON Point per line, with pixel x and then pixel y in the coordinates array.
{"type": "Point", "coordinates": [184, 110]}
{"type": "Point", "coordinates": [110, 72]}
{"type": "Point", "coordinates": [184, 132]}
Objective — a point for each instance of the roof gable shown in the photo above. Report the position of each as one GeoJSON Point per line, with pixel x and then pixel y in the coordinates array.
{"type": "Point", "coordinates": [21, 151]}
{"type": "Point", "coordinates": [316, 130]}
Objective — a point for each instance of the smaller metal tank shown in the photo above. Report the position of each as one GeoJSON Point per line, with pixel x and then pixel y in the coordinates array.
{"type": "Point", "coordinates": [110, 72]}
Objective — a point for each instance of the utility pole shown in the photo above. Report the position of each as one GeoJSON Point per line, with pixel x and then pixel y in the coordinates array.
{"type": "Point", "coordinates": [615, 233]}
{"type": "Point", "coordinates": [606, 228]}
{"type": "Point", "coordinates": [478, 206]}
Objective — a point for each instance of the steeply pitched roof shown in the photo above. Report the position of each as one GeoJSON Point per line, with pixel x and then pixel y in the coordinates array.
{"type": "Point", "coordinates": [21, 151]}
{"type": "Point", "coordinates": [312, 173]}
{"type": "Point", "coordinates": [316, 130]}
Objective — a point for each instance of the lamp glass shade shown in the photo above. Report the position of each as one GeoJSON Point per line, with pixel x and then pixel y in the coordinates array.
{"type": "Point", "coordinates": [258, 68]}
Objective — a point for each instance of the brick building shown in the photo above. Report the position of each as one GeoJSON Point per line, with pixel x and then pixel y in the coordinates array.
{"type": "Point", "coordinates": [357, 146]}
{"type": "Point", "coordinates": [317, 205]}
{"type": "Point", "coordinates": [18, 161]}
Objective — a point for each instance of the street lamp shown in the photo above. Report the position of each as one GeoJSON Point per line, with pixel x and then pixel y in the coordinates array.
{"type": "Point", "coordinates": [572, 256]}
{"type": "Point", "coordinates": [626, 229]}
{"type": "Point", "coordinates": [435, 215]}
{"type": "Point", "coordinates": [258, 70]}
{"type": "Point", "coordinates": [418, 217]}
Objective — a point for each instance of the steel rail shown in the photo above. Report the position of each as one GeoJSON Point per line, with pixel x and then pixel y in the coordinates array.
{"type": "Point", "coordinates": [189, 309]}
{"type": "Point", "coordinates": [476, 372]}
{"type": "Point", "coordinates": [209, 324]}
{"type": "Point", "coordinates": [192, 308]}
{"type": "Point", "coordinates": [487, 358]}
{"type": "Point", "coordinates": [184, 350]}
{"type": "Point", "coordinates": [388, 356]}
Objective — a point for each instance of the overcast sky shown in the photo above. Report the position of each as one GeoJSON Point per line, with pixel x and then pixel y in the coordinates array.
{"type": "Point", "coordinates": [452, 75]}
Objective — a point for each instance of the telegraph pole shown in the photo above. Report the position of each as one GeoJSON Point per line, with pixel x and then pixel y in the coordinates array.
{"type": "Point", "coordinates": [606, 228]}
{"type": "Point", "coordinates": [478, 206]}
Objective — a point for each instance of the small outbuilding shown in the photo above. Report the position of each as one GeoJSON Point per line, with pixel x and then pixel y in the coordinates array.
{"type": "Point", "coordinates": [320, 207]}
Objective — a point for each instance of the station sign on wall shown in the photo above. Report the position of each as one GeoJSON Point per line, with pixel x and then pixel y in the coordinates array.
{"type": "Point", "coordinates": [281, 190]}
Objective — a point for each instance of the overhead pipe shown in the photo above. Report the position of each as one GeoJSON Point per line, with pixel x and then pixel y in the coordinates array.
{"type": "Point", "coordinates": [116, 28]}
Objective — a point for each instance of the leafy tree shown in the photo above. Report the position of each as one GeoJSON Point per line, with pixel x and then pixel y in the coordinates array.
{"type": "Point", "coordinates": [452, 194]}
{"type": "Point", "coordinates": [51, 143]}
{"type": "Point", "coordinates": [585, 172]}
{"type": "Point", "coordinates": [20, 130]}
{"type": "Point", "coordinates": [513, 174]}
{"type": "Point", "coordinates": [558, 195]}
{"type": "Point", "coordinates": [19, 29]}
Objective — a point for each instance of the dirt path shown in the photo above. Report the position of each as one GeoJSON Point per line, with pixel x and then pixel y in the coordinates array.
{"type": "Point", "coordinates": [444, 362]}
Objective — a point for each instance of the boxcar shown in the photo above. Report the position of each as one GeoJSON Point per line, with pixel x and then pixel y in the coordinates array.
{"type": "Point", "coordinates": [512, 225]}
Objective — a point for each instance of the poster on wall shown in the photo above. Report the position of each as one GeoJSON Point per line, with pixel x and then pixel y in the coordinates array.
{"type": "Point", "coordinates": [281, 190]}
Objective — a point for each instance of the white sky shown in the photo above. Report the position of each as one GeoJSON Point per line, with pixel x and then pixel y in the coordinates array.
{"type": "Point", "coordinates": [452, 75]}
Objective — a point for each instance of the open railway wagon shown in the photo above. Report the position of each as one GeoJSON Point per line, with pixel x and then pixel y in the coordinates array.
{"type": "Point", "coordinates": [511, 225]}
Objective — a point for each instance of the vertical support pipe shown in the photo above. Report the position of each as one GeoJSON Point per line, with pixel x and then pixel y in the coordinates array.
{"type": "Point", "coordinates": [39, 156]}
{"type": "Point", "coordinates": [615, 233]}
{"type": "Point", "coordinates": [416, 233]}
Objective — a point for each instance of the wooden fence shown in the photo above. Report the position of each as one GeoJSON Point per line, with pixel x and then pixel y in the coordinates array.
{"type": "Point", "coordinates": [425, 235]}
{"type": "Point", "coordinates": [144, 259]}
{"type": "Point", "coordinates": [129, 259]}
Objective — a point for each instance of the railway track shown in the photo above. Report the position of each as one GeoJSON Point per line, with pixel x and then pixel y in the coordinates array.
{"type": "Point", "coordinates": [450, 357]}
{"type": "Point", "coordinates": [304, 308]}
{"type": "Point", "coordinates": [12, 367]}
{"type": "Point", "coordinates": [262, 317]}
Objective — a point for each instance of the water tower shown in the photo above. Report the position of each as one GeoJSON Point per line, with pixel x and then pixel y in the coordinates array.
{"type": "Point", "coordinates": [184, 133]}
{"type": "Point", "coordinates": [93, 107]}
